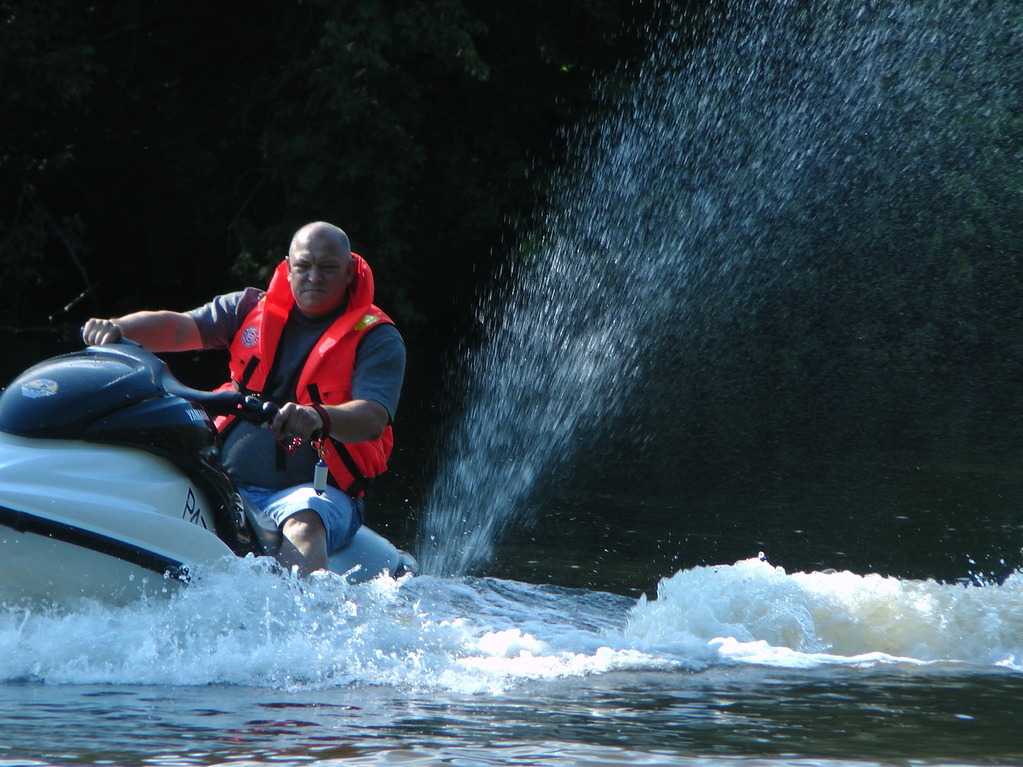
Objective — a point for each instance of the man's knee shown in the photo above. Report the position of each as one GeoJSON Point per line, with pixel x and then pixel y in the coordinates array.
{"type": "Point", "coordinates": [306, 525]}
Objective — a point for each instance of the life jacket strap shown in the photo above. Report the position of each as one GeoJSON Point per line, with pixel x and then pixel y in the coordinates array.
{"type": "Point", "coordinates": [250, 368]}
{"type": "Point", "coordinates": [359, 482]}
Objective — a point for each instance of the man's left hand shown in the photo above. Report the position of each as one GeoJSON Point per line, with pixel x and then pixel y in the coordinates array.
{"type": "Point", "coordinates": [294, 420]}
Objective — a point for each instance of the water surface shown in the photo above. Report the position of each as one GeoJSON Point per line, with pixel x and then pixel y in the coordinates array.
{"type": "Point", "coordinates": [731, 661]}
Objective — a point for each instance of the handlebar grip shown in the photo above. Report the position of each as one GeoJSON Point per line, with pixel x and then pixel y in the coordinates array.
{"type": "Point", "coordinates": [258, 410]}
{"type": "Point", "coordinates": [269, 411]}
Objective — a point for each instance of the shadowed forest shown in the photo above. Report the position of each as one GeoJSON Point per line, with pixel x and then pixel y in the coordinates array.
{"type": "Point", "coordinates": [156, 153]}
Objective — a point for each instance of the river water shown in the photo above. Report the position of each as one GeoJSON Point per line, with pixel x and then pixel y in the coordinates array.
{"type": "Point", "coordinates": [739, 664]}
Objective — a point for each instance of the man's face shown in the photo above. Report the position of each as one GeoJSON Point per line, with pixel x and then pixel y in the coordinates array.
{"type": "Point", "coordinates": [319, 277]}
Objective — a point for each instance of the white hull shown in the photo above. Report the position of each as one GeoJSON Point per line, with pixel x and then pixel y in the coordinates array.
{"type": "Point", "coordinates": [367, 556]}
{"type": "Point", "coordinates": [82, 520]}
{"type": "Point", "coordinates": [86, 520]}
{"type": "Point", "coordinates": [38, 570]}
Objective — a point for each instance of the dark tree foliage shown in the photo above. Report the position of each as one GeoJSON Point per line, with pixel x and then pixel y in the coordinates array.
{"type": "Point", "coordinates": [48, 70]}
{"type": "Point", "coordinates": [160, 152]}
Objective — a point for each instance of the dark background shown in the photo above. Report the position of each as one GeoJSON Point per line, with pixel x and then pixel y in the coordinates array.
{"type": "Point", "coordinates": [155, 154]}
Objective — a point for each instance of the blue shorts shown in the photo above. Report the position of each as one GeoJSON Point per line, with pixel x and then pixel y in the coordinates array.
{"type": "Point", "coordinates": [340, 513]}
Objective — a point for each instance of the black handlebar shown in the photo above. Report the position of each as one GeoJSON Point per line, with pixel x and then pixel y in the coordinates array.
{"type": "Point", "coordinates": [226, 402]}
{"type": "Point", "coordinates": [248, 406]}
{"type": "Point", "coordinates": [257, 410]}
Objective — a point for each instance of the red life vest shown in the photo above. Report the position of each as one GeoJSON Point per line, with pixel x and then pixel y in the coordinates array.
{"type": "Point", "coordinates": [326, 376]}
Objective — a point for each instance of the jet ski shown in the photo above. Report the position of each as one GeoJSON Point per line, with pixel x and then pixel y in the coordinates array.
{"type": "Point", "coordinates": [111, 484]}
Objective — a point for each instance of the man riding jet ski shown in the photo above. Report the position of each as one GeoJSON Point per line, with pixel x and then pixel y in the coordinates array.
{"type": "Point", "coordinates": [313, 343]}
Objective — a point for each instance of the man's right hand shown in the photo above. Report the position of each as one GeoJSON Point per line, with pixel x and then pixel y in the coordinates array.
{"type": "Point", "coordinates": [97, 331]}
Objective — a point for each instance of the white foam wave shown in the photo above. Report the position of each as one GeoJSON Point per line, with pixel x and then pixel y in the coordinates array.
{"type": "Point", "coordinates": [244, 625]}
{"type": "Point", "coordinates": [757, 613]}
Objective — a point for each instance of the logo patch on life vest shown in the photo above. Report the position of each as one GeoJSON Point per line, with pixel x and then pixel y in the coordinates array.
{"type": "Point", "coordinates": [40, 387]}
{"type": "Point", "coordinates": [250, 336]}
{"type": "Point", "coordinates": [366, 321]}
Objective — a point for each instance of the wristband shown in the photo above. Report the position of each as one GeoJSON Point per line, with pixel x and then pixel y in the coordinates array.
{"type": "Point", "coordinates": [324, 418]}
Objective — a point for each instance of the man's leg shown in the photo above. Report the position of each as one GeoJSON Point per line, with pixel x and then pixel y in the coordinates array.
{"type": "Point", "coordinates": [304, 544]}
{"type": "Point", "coordinates": [312, 524]}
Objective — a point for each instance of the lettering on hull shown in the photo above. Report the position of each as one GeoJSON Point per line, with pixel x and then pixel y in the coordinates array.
{"type": "Point", "coordinates": [192, 512]}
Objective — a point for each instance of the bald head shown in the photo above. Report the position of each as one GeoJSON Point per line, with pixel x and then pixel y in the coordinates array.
{"type": "Point", "coordinates": [320, 268]}
{"type": "Point", "coordinates": [321, 235]}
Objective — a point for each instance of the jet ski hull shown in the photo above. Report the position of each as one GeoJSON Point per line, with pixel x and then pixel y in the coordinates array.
{"type": "Point", "coordinates": [84, 520]}
{"type": "Point", "coordinates": [79, 519]}
{"type": "Point", "coordinates": [40, 568]}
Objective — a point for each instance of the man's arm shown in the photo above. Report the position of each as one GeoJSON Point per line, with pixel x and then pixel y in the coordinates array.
{"type": "Point", "coordinates": [356, 421]}
{"type": "Point", "coordinates": [376, 387]}
{"type": "Point", "coordinates": [157, 331]}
